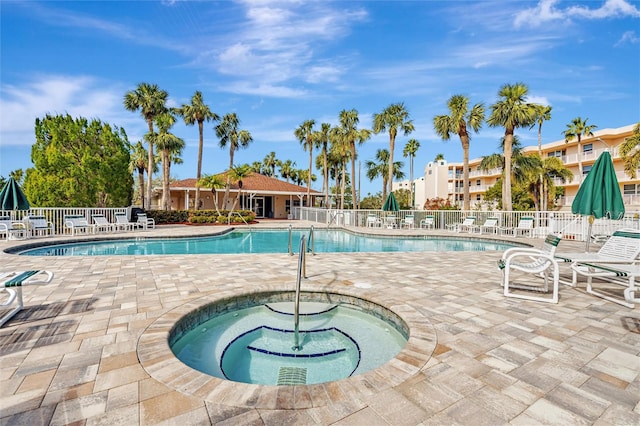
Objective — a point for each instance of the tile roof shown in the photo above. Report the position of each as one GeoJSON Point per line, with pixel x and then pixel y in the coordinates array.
{"type": "Point", "coordinates": [254, 182]}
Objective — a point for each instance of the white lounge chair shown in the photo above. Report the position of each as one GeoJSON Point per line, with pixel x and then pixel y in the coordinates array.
{"type": "Point", "coordinates": [459, 227]}
{"type": "Point", "coordinates": [38, 225]}
{"type": "Point", "coordinates": [537, 262]}
{"type": "Point", "coordinates": [100, 222]}
{"type": "Point", "coordinates": [408, 222]}
{"type": "Point", "coordinates": [489, 226]}
{"type": "Point", "coordinates": [525, 226]}
{"type": "Point", "coordinates": [77, 224]}
{"type": "Point", "coordinates": [622, 247]}
{"type": "Point", "coordinates": [373, 221]}
{"type": "Point", "coordinates": [122, 222]}
{"type": "Point", "coordinates": [12, 284]}
{"type": "Point", "coordinates": [427, 222]}
{"type": "Point", "coordinates": [624, 274]}
{"type": "Point", "coordinates": [12, 230]}
{"type": "Point", "coordinates": [146, 222]}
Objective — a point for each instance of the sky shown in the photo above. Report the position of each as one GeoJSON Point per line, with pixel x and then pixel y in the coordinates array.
{"type": "Point", "coordinates": [277, 64]}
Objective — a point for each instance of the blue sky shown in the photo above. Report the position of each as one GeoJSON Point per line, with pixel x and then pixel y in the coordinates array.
{"type": "Point", "coordinates": [279, 63]}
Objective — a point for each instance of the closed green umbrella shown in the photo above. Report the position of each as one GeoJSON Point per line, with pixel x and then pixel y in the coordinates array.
{"type": "Point", "coordinates": [599, 195]}
{"type": "Point", "coordinates": [391, 204]}
{"type": "Point", "coordinates": [12, 197]}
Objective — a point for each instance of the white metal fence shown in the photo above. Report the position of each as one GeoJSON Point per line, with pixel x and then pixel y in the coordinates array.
{"type": "Point", "coordinates": [572, 227]}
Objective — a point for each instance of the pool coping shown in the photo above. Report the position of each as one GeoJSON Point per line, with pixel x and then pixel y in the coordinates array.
{"type": "Point", "coordinates": [157, 359]}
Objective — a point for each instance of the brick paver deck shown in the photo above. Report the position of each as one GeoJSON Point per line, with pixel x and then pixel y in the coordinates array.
{"type": "Point", "coordinates": [72, 356]}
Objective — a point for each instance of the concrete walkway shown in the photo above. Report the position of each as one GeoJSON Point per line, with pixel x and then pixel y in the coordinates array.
{"type": "Point", "coordinates": [72, 356]}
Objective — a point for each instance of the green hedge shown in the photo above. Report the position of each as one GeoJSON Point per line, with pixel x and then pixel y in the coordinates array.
{"type": "Point", "coordinates": [200, 216]}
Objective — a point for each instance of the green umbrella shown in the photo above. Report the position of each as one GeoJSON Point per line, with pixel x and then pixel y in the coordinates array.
{"type": "Point", "coordinates": [12, 197]}
{"type": "Point", "coordinates": [390, 204]}
{"type": "Point", "coordinates": [599, 195]}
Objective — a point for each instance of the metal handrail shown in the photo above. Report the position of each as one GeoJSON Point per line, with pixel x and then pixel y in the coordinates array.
{"type": "Point", "coordinates": [290, 246]}
{"type": "Point", "coordinates": [311, 244]}
{"type": "Point", "coordinates": [302, 272]}
{"type": "Point", "coordinates": [241, 217]}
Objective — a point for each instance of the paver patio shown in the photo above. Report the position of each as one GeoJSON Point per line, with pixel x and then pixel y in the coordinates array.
{"type": "Point", "coordinates": [72, 355]}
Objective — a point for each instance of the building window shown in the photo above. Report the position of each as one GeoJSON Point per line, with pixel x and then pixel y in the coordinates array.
{"type": "Point", "coordinates": [559, 153]}
{"type": "Point", "coordinates": [631, 189]}
{"type": "Point", "coordinates": [477, 182]}
{"type": "Point", "coordinates": [587, 148]}
{"type": "Point", "coordinates": [430, 171]}
{"type": "Point", "coordinates": [586, 169]}
{"type": "Point", "coordinates": [478, 197]}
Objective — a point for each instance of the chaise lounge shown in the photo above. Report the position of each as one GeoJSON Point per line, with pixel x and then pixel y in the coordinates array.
{"type": "Point", "coordinates": [12, 283]}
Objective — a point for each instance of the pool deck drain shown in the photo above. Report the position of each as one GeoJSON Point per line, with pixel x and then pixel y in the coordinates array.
{"type": "Point", "coordinates": [292, 376]}
{"type": "Point", "coordinates": [70, 355]}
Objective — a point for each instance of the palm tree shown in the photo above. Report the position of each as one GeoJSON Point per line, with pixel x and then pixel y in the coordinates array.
{"type": "Point", "coordinates": [197, 112]}
{"type": "Point", "coordinates": [138, 163]}
{"type": "Point", "coordinates": [321, 138]}
{"type": "Point", "coordinates": [438, 157]}
{"type": "Point", "coordinates": [214, 182]}
{"type": "Point", "coordinates": [170, 146]}
{"type": "Point", "coordinates": [304, 134]}
{"type": "Point", "coordinates": [340, 151]}
{"type": "Point", "coordinates": [257, 167]}
{"type": "Point", "coordinates": [577, 129]}
{"type": "Point", "coordinates": [236, 174]}
{"type": "Point", "coordinates": [286, 169]}
{"type": "Point", "coordinates": [381, 169]}
{"type": "Point", "coordinates": [630, 152]}
{"type": "Point", "coordinates": [410, 150]}
{"type": "Point", "coordinates": [460, 119]}
{"type": "Point", "coordinates": [511, 111]}
{"type": "Point", "coordinates": [522, 166]}
{"type": "Point", "coordinates": [350, 135]}
{"type": "Point", "coordinates": [543, 113]}
{"type": "Point", "coordinates": [229, 134]}
{"type": "Point", "coordinates": [552, 167]}
{"type": "Point", "coordinates": [394, 118]}
{"type": "Point", "coordinates": [269, 164]}
{"type": "Point", "coordinates": [151, 101]}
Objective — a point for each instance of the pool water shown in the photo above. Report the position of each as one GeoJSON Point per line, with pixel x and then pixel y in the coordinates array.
{"type": "Point", "coordinates": [256, 344]}
{"type": "Point", "coordinates": [265, 241]}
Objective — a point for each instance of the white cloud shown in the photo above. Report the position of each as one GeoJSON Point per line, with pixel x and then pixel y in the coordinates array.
{"type": "Point", "coordinates": [628, 37]}
{"type": "Point", "coordinates": [541, 100]}
{"type": "Point", "coordinates": [56, 94]}
{"type": "Point", "coordinates": [546, 11]}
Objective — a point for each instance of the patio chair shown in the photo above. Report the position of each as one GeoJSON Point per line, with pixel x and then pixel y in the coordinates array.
{"type": "Point", "coordinates": [12, 230]}
{"type": "Point", "coordinates": [122, 221]}
{"type": "Point", "coordinates": [373, 221]}
{"type": "Point", "coordinates": [427, 222]}
{"type": "Point", "coordinates": [525, 226]}
{"type": "Point", "coordinates": [622, 247]}
{"type": "Point", "coordinates": [146, 222]}
{"type": "Point", "coordinates": [489, 226]}
{"type": "Point", "coordinates": [13, 282]}
{"type": "Point", "coordinates": [537, 262]}
{"type": "Point", "coordinates": [100, 222]}
{"type": "Point", "coordinates": [624, 274]}
{"type": "Point", "coordinates": [390, 221]}
{"type": "Point", "coordinates": [77, 224]}
{"type": "Point", "coordinates": [38, 225]}
{"type": "Point", "coordinates": [458, 227]}
{"type": "Point", "coordinates": [407, 222]}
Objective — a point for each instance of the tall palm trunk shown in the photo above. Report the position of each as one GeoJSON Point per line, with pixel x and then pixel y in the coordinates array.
{"type": "Point", "coordinates": [343, 180]}
{"type": "Point", "coordinates": [141, 183]}
{"type": "Point", "coordinates": [227, 187]}
{"type": "Point", "coordinates": [353, 176]}
{"type": "Point", "coordinates": [506, 187]}
{"type": "Point", "coordinates": [392, 144]}
{"type": "Point", "coordinates": [199, 167]}
{"type": "Point", "coordinates": [464, 139]}
{"type": "Point", "coordinates": [150, 163]}
{"type": "Point", "coordinates": [166, 171]}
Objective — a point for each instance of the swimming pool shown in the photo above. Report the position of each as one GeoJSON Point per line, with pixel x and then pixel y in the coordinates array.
{"type": "Point", "coordinates": [264, 241]}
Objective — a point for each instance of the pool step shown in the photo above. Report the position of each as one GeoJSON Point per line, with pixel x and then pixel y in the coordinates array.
{"type": "Point", "coordinates": [292, 376]}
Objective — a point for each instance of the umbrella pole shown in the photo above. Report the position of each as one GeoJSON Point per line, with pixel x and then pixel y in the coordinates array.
{"type": "Point", "coordinates": [591, 219]}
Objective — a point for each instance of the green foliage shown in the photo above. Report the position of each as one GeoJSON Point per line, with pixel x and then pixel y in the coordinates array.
{"type": "Point", "coordinates": [212, 217]}
{"type": "Point", "coordinates": [169, 216]}
{"type": "Point", "coordinates": [79, 164]}
{"type": "Point", "coordinates": [403, 197]}
{"type": "Point", "coordinates": [372, 202]}
{"type": "Point", "coordinates": [439, 204]}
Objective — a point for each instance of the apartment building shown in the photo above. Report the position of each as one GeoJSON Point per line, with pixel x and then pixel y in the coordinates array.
{"type": "Point", "coordinates": [444, 180]}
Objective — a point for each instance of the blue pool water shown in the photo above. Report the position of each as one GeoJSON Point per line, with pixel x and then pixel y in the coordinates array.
{"type": "Point", "coordinates": [256, 345]}
{"type": "Point", "coordinates": [264, 241]}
